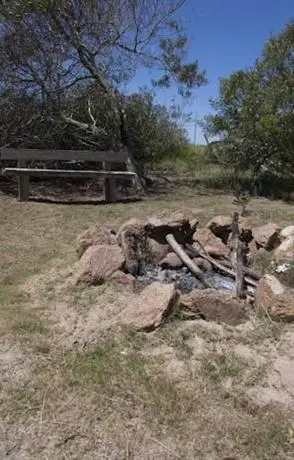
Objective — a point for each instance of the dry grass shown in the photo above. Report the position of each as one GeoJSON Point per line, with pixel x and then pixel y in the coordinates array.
{"type": "Point", "coordinates": [134, 396]}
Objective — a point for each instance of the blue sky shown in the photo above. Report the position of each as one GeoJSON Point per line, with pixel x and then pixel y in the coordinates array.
{"type": "Point", "coordinates": [225, 35]}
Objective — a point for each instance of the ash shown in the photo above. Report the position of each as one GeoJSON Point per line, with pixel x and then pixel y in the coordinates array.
{"type": "Point", "coordinates": [183, 279]}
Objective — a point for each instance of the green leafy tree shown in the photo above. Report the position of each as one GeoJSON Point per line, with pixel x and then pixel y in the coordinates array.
{"type": "Point", "coordinates": [52, 50]}
{"type": "Point", "coordinates": [254, 118]}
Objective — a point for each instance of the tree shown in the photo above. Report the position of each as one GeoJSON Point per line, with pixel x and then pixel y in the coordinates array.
{"type": "Point", "coordinates": [254, 117]}
{"type": "Point", "coordinates": [49, 48]}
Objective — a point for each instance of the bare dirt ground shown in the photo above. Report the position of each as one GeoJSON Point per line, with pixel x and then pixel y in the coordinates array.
{"type": "Point", "coordinates": [74, 386]}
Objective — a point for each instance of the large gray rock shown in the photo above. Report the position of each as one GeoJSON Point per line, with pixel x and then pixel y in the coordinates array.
{"type": "Point", "coordinates": [221, 226]}
{"type": "Point", "coordinates": [149, 309]}
{"type": "Point", "coordinates": [267, 236]}
{"type": "Point", "coordinates": [210, 243]}
{"type": "Point", "coordinates": [98, 264]}
{"type": "Point", "coordinates": [214, 305]}
{"type": "Point", "coordinates": [274, 298]}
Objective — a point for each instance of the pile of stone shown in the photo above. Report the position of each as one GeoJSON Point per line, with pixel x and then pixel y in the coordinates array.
{"type": "Point", "coordinates": [125, 255]}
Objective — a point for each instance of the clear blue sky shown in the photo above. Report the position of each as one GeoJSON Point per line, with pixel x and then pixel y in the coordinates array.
{"type": "Point", "coordinates": [226, 35]}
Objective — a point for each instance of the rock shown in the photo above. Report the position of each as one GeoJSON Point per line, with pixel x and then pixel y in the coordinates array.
{"type": "Point", "coordinates": [94, 236]}
{"type": "Point", "coordinates": [275, 298]}
{"type": "Point", "coordinates": [157, 251]}
{"type": "Point", "coordinates": [151, 307]}
{"type": "Point", "coordinates": [211, 244]}
{"type": "Point", "coordinates": [285, 252]}
{"type": "Point", "coordinates": [286, 232]}
{"type": "Point", "coordinates": [221, 227]}
{"type": "Point", "coordinates": [132, 239]}
{"type": "Point", "coordinates": [171, 261]}
{"type": "Point", "coordinates": [203, 264]}
{"type": "Point", "coordinates": [267, 236]}
{"type": "Point", "coordinates": [245, 229]}
{"type": "Point", "coordinates": [214, 305]}
{"type": "Point", "coordinates": [177, 224]}
{"type": "Point", "coordinates": [123, 278]}
{"type": "Point", "coordinates": [98, 264]}
{"type": "Point", "coordinates": [251, 252]}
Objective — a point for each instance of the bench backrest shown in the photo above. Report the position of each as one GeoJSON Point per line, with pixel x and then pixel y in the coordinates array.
{"type": "Point", "coordinates": [63, 155]}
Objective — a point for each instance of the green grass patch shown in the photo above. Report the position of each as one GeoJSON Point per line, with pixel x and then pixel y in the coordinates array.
{"type": "Point", "coordinates": [29, 326]}
{"type": "Point", "coordinates": [123, 375]}
{"type": "Point", "coordinates": [219, 368]}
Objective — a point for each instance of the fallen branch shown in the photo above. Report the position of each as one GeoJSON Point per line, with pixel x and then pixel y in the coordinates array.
{"type": "Point", "coordinates": [236, 258]}
{"type": "Point", "coordinates": [247, 271]}
{"type": "Point", "coordinates": [218, 265]}
{"type": "Point", "coordinates": [185, 258]}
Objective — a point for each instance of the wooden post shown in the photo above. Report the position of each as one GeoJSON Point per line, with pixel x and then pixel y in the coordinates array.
{"type": "Point", "coordinates": [109, 185]}
{"type": "Point", "coordinates": [236, 257]}
{"type": "Point", "coordinates": [23, 183]}
{"type": "Point", "coordinates": [23, 187]}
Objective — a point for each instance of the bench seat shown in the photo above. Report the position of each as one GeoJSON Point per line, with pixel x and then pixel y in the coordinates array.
{"type": "Point", "coordinates": [106, 158]}
{"type": "Point", "coordinates": [109, 177]}
{"type": "Point", "coordinates": [66, 173]}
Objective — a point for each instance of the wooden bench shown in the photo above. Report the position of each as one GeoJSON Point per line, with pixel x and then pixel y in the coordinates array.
{"type": "Point", "coordinates": [23, 156]}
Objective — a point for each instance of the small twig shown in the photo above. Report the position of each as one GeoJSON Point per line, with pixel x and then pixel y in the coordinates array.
{"type": "Point", "coordinates": [43, 405]}
{"type": "Point", "coordinates": [159, 443]}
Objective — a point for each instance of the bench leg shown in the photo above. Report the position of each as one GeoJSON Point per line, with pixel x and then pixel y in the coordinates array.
{"type": "Point", "coordinates": [24, 187]}
{"type": "Point", "coordinates": [110, 190]}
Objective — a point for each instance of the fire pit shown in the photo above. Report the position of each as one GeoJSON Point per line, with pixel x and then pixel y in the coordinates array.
{"type": "Point", "coordinates": [168, 250]}
{"type": "Point", "coordinates": [183, 279]}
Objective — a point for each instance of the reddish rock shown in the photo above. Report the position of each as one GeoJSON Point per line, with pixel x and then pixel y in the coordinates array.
{"type": "Point", "coordinates": [149, 309]}
{"type": "Point", "coordinates": [171, 261]}
{"type": "Point", "coordinates": [203, 264]}
{"type": "Point", "coordinates": [98, 264]}
{"type": "Point", "coordinates": [214, 305]}
{"type": "Point", "coordinates": [286, 232]}
{"type": "Point", "coordinates": [123, 278]}
{"type": "Point", "coordinates": [252, 252]}
{"type": "Point", "coordinates": [274, 298]}
{"type": "Point", "coordinates": [133, 241]}
{"type": "Point", "coordinates": [177, 224]}
{"type": "Point", "coordinates": [285, 252]}
{"type": "Point", "coordinates": [94, 236]}
{"type": "Point", "coordinates": [267, 236]}
{"type": "Point", "coordinates": [221, 227]}
{"type": "Point", "coordinates": [157, 251]}
{"type": "Point", "coordinates": [211, 244]}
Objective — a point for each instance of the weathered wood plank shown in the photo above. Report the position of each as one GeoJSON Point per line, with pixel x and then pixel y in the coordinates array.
{"type": "Point", "coordinates": [109, 185]}
{"type": "Point", "coordinates": [236, 257]}
{"type": "Point", "coordinates": [66, 173]}
{"type": "Point", "coordinates": [24, 187]}
{"type": "Point", "coordinates": [110, 190]}
{"type": "Point", "coordinates": [63, 155]}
